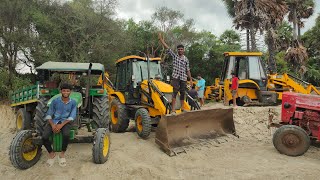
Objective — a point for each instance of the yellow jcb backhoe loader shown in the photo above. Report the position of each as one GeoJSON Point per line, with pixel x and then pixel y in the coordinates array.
{"type": "Point", "coordinates": [255, 86]}
{"type": "Point", "coordinates": [139, 93]}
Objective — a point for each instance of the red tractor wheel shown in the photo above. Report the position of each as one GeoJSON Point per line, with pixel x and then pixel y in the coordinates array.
{"type": "Point", "coordinates": [291, 140]}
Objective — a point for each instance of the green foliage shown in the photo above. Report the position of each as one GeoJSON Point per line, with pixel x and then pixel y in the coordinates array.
{"type": "Point", "coordinates": [282, 65]}
{"type": "Point", "coordinates": [230, 37]}
{"type": "Point", "coordinates": [19, 81]}
{"type": "Point", "coordinates": [311, 41]}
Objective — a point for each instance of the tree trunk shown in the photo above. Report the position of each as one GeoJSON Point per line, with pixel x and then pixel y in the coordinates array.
{"type": "Point", "coordinates": [271, 49]}
{"type": "Point", "coordinates": [299, 30]}
{"type": "Point", "coordinates": [253, 38]}
{"type": "Point", "coordinates": [248, 40]}
{"type": "Point", "coordinates": [10, 75]}
{"type": "Point", "coordinates": [294, 9]}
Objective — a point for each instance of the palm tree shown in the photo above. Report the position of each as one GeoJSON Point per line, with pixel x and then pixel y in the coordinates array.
{"type": "Point", "coordinates": [297, 54]}
{"type": "Point", "coordinates": [261, 15]}
{"type": "Point", "coordinates": [298, 10]}
{"type": "Point", "coordinates": [230, 5]}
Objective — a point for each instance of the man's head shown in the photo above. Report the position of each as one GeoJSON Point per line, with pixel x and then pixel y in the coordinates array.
{"type": "Point", "coordinates": [199, 76]}
{"type": "Point", "coordinates": [233, 74]}
{"type": "Point", "coordinates": [65, 90]}
{"type": "Point", "coordinates": [180, 49]}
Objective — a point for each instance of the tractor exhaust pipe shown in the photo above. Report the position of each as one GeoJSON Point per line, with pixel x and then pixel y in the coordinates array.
{"type": "Point", "coordinates": [88, 88]}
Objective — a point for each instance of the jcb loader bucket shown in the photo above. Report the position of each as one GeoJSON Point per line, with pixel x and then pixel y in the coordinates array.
{"type": "Point", "coordinates": [175, 131]}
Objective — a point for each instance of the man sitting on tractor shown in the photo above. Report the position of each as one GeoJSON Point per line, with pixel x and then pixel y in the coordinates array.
{"type": "Point", "coordinates": [61, 112]}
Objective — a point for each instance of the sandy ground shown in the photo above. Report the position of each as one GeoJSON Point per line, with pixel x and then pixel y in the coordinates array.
{"type": "Point", "coordinates": [252, 156]}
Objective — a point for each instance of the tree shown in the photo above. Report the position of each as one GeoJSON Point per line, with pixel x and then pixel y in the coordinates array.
{"type": "Point", "coordinates": [298, 10]}
{"type": "Point", "coordinates": [297, 53]}
{"type": "Point", "coordinates": [16, 31]}
{"type": "Point", "coordinates": [230, 37]}
{"type": "Point", "coordinates": [230, 5]}
{"type": "Point", "coordinates": [283, 36]}
{"type": "Point", "coordinates": [311, 40]}
{"type": "Point", "coordinates": [176, 31]}
{"type": "Point", "coordinates": [263, 15]}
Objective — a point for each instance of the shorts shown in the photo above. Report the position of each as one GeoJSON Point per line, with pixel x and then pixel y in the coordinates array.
{"type": "Point", "coordinates": [234, 92]}
{"type": "Point", "coordinates": [179, 86]}
{"type": "Point", "coordinates": [200, 93]}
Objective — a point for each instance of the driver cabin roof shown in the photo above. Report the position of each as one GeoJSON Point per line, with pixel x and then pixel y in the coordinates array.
{"type": "Point", "coordinates": [242, 54]}
{"type": "Point", "coordinates": [70, 66]}
{"type": "Point", "coordinates": [137, 57]}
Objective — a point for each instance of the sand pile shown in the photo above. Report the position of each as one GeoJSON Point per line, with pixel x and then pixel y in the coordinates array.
{"type": "Point", "coordinates": [7, 118]}
{"type": "Point", "coordinates": [251, 122]}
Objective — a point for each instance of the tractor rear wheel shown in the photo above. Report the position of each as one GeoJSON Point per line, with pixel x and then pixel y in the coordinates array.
{"type": "Point", "coordinates": [100, 109]}
{"type": "Point", "coordinates": [143, 123]}
{"type": "Point", "coordinates": [119, 116]}
{"type": "Point", "coordinates": [40, 114]}
{"type": "Point", "coordinates": [291, 140]}
{"type": "Point", "coordinates": [23, 152]}
{"type": "Point", "coordinates": [101, 146]}
{"type": "Point", "coordinates": [23, 120]}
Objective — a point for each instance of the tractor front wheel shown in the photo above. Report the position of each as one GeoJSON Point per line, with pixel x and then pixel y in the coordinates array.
{"type": "Point", "coordinates": [23, 152]}
{"type": "Point", "coordinates": [143, 123]}
{"type": "Point", "coordinates": [101, 146]}
{"type": "Point", "coordinates": [291, 140]}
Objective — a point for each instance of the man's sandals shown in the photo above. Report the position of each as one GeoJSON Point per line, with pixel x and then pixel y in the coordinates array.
{"type": "Point", "coordinates": [62, 161]}
{"type": "Point", "coordinates": [50, 161]}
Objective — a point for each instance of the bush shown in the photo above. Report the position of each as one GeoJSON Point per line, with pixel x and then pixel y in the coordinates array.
{"type": "Point", "coordinates": [19, 81]}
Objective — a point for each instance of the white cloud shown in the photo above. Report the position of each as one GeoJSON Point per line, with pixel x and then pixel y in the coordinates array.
{"type": "Point", "coordinates": [210, 15]}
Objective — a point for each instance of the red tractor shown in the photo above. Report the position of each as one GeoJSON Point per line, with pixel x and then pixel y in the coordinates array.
{"type": "Point", "coordinates": [300, 123]}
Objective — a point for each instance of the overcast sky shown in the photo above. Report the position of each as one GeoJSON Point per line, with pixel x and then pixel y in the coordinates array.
{"type": "Point", "coordinates": [210, 15]}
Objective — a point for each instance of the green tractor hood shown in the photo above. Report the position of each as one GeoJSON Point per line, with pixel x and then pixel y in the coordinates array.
{"type": "Point", "coordinates": [74, 95]}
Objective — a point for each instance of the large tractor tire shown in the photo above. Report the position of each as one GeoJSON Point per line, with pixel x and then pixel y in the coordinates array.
{"type": "Point", "coordinates": [291, 140]}
{"type": "Point", "coordinates": [100, 106]}
{"type": "Point", "coordinates": [101, 146]}
{"type": "Point", "coordinates": [119, 116]}
{"type": "Point", "coordinates": [23, 153]}
{"type": "Point", "coordinates": [23, 120]}
{"type": "Point", "coordinates": [143, 123]}
{"type": "Point", "coordinates": [40, 114]}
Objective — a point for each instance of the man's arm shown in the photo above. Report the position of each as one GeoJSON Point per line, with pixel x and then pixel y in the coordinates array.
{"type": "Point", "coordinates": [237, 83]}
{"type": "Point", "coordinates": [73, 114]}
{"type": "Point", "coordinates": [50, 113]}
{"type": "Point", "coordinates": [162, 41]}
{"type": "Point", "coordinates": [169, 51]}
{"type": "Point", "coordinates": [188, 72]}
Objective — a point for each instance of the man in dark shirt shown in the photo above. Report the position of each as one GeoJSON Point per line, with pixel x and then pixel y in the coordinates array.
{"type": "Point", "coordinates": [193, 92]}
{"type": "Point", "coordinates": [62, 111]}
{"type": "Point", "coordinates": [180, 72]}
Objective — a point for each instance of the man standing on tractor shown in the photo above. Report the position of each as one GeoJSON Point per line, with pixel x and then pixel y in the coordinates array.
{"type": "Point", "coordinates": [180, 72]}
{"type": "Point", "coordinates": [60, 114]}
{"type": "Point", "coordinates": [234, 88]}
{"type": "Point", "coordinates": [201, 85]}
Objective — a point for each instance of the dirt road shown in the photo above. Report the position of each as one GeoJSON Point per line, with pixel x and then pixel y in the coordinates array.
{"type": "Point", "coordinates": [252, 156]}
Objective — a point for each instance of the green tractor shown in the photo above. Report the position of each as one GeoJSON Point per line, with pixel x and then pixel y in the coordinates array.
{"type": "Point", "coordinates": [92, 112]}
